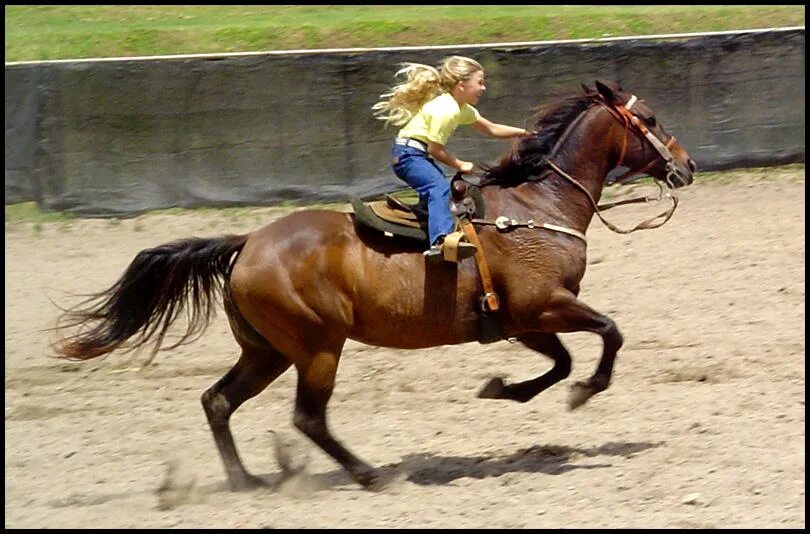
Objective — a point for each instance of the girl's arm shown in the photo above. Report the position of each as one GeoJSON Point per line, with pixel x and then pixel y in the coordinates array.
{"type": "Point", "coordinates": [500, 131]}
{"type": "Point", "coordinates": [440, 153]}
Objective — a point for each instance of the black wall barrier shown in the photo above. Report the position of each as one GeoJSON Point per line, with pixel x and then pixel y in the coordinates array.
{"type": "Point", "coordinates": [118, 137]}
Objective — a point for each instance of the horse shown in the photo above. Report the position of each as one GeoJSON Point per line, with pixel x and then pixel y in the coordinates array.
{"type": "Point", "coordinates": [296, 289]}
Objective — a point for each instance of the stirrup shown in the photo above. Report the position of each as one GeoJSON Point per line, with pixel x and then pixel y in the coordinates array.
{"type": "Point", "coordinates": [454, 247]}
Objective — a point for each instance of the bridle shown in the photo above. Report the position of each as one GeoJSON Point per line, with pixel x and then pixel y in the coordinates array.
{"type": "Point", "coordinates": [623, 114]}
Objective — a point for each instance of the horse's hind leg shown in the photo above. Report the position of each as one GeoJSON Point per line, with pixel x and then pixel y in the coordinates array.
{"type": "Point", "coordinates": [254, 371]}
{"type": "Point", "coordinates": [316, 381]}
{"type": "Point", "coordinates": [548, 344]}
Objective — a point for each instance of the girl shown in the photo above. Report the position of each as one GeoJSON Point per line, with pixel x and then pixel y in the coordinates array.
{"type": "Point", "coordinates": [429, 106]}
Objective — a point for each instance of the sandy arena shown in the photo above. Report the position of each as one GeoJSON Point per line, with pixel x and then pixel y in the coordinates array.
{"type": "Point", "coordinates": [702, 427]}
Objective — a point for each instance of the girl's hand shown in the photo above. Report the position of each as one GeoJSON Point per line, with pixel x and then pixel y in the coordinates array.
{"type": "Point", "coordinates": [465, 167]}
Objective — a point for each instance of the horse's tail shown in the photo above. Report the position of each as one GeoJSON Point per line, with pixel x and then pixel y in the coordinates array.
{"type": "Point", "coordinates": [150, 296]}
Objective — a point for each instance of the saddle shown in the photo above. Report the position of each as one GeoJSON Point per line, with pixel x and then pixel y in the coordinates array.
{"type": "Point", "coordinates": [395, 217]}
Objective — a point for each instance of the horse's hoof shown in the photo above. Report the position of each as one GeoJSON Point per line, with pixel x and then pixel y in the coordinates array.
{"type": "Point", "coordinates": [248, 483]}
{"type": "Point", "coordinates": [579, 394]}
{"type": "Point", "coordinates": [492, 389]}
{"type": "Point", "coordinates": [370, 480]}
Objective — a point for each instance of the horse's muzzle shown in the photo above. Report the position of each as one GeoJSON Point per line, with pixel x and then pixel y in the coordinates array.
{"type": "Point", "coordinates": [678, 176]}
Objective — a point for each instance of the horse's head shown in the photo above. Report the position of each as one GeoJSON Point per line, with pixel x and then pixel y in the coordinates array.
{"type": "Point", "coordinates": [626, 134]}
{"type": "Point", "coordinates": [646, 147]}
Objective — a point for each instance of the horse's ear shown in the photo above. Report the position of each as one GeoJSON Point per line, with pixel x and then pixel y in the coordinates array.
{"type": "Point", "coordinates": [608, 90]}
{"type": "Point", "coordinates": [589, 91]}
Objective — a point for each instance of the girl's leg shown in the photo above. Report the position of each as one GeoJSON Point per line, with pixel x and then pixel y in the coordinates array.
{"type": "Point", "coordinates": [414, 168]}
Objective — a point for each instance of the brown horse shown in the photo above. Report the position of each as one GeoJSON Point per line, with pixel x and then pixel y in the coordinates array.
{"type": "Point", "coordinates": [296, 289]}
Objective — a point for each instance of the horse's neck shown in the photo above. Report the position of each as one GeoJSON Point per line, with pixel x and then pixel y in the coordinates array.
{"type": "Point", "coordinates": [586, 151]}
{"type": "Point", "coordinates": [576, 193]}
{"type": "Point", "coordinates": [585, 155]}
{"type": "Point", "coordinates": [587, 160]}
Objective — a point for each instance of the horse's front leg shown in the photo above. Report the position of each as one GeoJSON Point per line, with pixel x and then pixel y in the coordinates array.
{"type": "Point", "coordinates": [548, 344]}
{"type": "Point", "coordinates": [565, 313]}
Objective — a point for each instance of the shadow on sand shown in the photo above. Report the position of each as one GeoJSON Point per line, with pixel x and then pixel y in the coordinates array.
{"type": "Point", "coordinates": [425, 469]}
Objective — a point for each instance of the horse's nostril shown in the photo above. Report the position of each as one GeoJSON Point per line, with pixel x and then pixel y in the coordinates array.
{"type": "Point", "coordinates": [692, 165]}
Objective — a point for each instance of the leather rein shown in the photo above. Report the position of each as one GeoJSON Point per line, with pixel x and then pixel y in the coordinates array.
{"type": "Point", "coordinates": [623, 114]}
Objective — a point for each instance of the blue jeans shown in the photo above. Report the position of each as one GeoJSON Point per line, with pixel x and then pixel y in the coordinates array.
{"type": "Point", "coordinates": [419, 171]}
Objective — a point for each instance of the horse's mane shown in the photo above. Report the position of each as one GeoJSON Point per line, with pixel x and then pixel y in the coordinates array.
{"type": "Point", "coordinates": [527, 155]}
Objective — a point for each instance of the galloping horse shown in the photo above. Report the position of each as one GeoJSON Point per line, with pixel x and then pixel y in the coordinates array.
{"type": "Point", "coordinates": [295, 290]}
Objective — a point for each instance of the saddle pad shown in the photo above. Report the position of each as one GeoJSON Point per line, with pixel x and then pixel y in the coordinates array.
{"type": "Point", "coordinates": [364, 216]}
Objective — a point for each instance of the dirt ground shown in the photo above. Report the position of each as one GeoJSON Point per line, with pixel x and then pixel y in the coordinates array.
{"type": "Point", "coordinates": [703, 425]}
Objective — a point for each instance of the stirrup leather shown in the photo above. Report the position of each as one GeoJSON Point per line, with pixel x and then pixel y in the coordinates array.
{"type": "Point", "coordinates": [489, 300]}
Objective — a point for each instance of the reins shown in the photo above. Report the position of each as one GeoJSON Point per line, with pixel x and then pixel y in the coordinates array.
{"type": "Point", "coordinates": [644, 225]}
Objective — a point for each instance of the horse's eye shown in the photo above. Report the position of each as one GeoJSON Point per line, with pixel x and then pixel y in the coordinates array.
{"type": "Point", "coordinates": [650, 121]}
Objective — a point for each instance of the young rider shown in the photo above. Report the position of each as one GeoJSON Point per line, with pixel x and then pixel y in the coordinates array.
{"type": "Point", "coordinates": [429, 105]}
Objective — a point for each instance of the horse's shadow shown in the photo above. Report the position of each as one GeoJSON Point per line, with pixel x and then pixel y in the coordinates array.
{"type": "Point", "coordinates": [428, 469]}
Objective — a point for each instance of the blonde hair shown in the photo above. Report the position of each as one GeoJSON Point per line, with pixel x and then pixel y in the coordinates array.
{"type": "Point", "coordinates": [422, 83]}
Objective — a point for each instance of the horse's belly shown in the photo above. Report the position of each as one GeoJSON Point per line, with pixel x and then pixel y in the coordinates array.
{"type": "Point", "coordinates": [405, 320]}
{"type": "Point", "coordinates": [413, 334]}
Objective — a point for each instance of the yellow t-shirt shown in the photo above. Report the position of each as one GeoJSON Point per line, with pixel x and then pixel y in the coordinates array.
{"type": "Point", "coordinates": [438, 119]}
